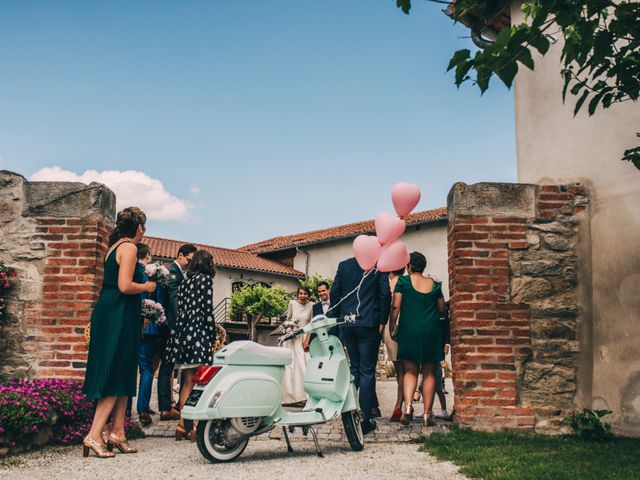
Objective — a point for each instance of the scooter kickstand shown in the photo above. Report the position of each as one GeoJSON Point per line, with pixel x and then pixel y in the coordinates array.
{"type": "Point", "coordinates": [315, 439]}
{"type": "Point", "coordinates": [286, 437]}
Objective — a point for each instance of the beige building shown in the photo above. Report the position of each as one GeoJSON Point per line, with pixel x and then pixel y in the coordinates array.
{"type": "Point", "coordinates": [553, 147]}
{"type": "Point", "coordinates": [320, 251]}
{"type": "Point", "coordinates": [233, 269]}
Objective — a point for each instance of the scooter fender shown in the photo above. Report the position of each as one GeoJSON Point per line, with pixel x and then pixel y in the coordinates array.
{"type": "Point", "coordinates": [238, 394]}
{"type": "Point", "coordinates": [351, 402]}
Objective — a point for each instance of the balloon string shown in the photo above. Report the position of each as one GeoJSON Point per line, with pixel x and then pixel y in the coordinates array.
{"type": "Point", "coordinates": [356, 291]}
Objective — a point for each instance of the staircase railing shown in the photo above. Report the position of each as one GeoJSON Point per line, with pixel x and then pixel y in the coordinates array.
{"type": "Point", "coordinates": [221, 310]}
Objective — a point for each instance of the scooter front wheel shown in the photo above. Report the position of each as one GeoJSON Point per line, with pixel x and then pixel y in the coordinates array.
{"type": "Point", "coordinates": [214, 443]}
{"type": "Point", "coordinates": [353, 429]}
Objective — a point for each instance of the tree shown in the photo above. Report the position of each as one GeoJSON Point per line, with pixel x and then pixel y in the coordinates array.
{"type": "Point", "coordinates": [258, 301]}
{"type": "Point", "coordinates": [600, 49]}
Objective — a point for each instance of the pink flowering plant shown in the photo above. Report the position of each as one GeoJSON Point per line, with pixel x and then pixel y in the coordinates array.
{"type": "Point", "coordinates": [153, 311]}
{"type": "Point", "coordinates": [6, 276]}
{"type": "Point", "coordinates": [158, 273]}
{"type": "Point", "coordinates": [54, 406]}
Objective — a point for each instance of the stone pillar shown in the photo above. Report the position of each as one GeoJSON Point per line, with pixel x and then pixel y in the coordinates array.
{"type": "Point", "coordinates": [55, 235]}
{"type": "Point", "coordinates": [515, 303]}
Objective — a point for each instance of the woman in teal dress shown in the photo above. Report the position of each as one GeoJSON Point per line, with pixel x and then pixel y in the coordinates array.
{"type": "Point", "coordinates": [420, 302]}
{"type": "Point", "coordinates": [110, 377]}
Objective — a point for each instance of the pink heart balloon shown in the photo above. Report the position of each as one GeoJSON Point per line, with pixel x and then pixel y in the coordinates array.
{"type": "Point", "coordinates": [366, 249]}
{"type": "Point", "coordinates": [386, 227]}
{"type": "Point", "coordinates": [405, 197]}
{"type": "Point", "coordinates": [394, 256]}
{"type": "Point", "coordinates": [401, 225]}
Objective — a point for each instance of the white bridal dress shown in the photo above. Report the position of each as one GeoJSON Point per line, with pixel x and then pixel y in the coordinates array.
{"type": "Point", "coordinates": [293, 379]}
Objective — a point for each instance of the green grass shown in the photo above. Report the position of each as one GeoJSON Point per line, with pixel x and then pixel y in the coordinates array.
{"type": "Point", "coordinates": [527, 456]}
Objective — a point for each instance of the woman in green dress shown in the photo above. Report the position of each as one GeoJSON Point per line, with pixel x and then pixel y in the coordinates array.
{"type": "Point", "coordinates": [420, 343]}
{"type": "Point", "coordinates": [116, 320]}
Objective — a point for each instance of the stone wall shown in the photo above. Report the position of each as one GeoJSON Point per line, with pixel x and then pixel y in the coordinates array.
{"type": "Point", "coordinates": [55, 235]}
{"type": "Point", "coordinates": [519, 309]}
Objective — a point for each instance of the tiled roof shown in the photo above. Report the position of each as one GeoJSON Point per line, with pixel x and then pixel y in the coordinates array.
{"type": "Point", "coordinates": [223, 257]}
{"type": "Point", "coordinates": [345, 231]}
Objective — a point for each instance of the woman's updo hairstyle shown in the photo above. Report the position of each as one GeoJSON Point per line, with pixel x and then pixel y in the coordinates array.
{"type": "Point", "coordinates": [417, 262]}
{"type": "Point", "coordinates": [127, 223]}
{"type": "Point", "coordinates": [305, 289]}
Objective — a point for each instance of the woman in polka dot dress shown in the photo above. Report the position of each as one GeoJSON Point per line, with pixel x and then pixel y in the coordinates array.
{"type": "Point", "coordinates": [192, 339]}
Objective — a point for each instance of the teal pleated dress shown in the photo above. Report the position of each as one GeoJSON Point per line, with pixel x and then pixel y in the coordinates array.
{"type": "Point", "coordinates": [419, 332]}
{"type": "Point", "coordinates": [116, 324]}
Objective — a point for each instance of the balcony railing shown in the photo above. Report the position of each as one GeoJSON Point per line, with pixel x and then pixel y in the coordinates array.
{"type": "Point", "coordinates": [222, 314]}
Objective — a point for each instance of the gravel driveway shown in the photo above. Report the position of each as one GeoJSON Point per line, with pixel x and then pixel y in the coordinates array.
{"type": "Point", "coordinates": [165, 459]}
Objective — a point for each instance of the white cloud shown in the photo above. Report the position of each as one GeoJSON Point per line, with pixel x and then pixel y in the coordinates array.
{"type": "Point", "coordinates": [132, 188]}
{"type": "Point", "coordinates": [194, 189]}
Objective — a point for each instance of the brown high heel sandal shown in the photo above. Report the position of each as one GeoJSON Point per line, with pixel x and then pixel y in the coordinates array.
{"type": "Point", "coordinates": [182, 434]}
{"type": "Point", "coordinates": [407, 414]}
{"type": "Point", "coordinates": [427, 421]}
{"type": "Point", "coordinates": [99, 449]}
{"type": "Point", "coordinates": [120, 443]}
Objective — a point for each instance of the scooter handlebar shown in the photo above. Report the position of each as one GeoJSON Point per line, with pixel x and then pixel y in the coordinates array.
{"type": "Point", "coordinates": [310, 326]}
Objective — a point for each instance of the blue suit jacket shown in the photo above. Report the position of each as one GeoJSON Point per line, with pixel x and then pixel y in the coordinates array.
{"type": "Point", "coordinates": [317, 308]}
{"type": "Point", "coordinates": [375, 295]}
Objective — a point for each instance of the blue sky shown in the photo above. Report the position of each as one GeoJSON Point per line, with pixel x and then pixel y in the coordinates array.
{"type": "Point", "coordinates": [246, 120]}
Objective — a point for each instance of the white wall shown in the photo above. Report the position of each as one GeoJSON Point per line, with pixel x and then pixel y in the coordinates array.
{"type": "Point", "coordinates": [225, 277]}
{"type": "Point", "coordinates": [429, 239]}
{"type": "Point", "coordinates": [554, 147]}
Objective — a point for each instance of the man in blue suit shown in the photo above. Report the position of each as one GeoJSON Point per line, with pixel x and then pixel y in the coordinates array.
{"type": "Point", "coordinates": [322, 305]}
{"type": "Point", "coordinates": [362, 338]}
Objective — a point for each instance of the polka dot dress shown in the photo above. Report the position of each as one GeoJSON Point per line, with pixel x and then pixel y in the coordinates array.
{"type": "Point", "coordinates": [192, 339]}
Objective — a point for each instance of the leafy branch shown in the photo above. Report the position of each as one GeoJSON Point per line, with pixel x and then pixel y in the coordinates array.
{"type": "Point", "coordinates": [600, 48]}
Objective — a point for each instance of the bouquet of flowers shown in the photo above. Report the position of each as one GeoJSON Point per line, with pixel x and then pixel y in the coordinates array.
{"type": "Point", "coordinates": [153, 311]}
{"type": "Point", "coordinates": [290, 326]}
{"type": "Point", "coordinates": [158, 273]}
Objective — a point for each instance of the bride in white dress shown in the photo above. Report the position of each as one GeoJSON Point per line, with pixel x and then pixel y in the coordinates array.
{"type": "Point", "coordinates": [299, 312]}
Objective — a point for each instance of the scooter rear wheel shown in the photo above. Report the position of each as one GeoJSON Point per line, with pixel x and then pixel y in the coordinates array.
{"type": "Point", "coordinates": [210, 439]}
{"type": "Point", "coordinates": [353, 429]}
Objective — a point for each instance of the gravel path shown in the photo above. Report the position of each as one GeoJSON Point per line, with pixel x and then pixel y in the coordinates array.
{"type": "Point", "coordinates": [164, 458]}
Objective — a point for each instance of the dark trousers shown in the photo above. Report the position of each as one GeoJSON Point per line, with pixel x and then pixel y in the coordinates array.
{"type": "Point", "coordinates": [164, 376]}
{"type": "Point", "coordinates": [362, 344]}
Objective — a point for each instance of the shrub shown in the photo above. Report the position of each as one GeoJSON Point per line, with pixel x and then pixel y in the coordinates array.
{"type": "Point", "coordinates": [30, 407]}
{"type": "Point", "coordinates": [258, 301]}
{"type": "Point", "coordinates": [588, 426]}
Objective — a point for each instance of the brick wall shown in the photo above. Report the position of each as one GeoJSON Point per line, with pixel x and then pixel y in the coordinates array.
{"type": "Point", "coordinates": [512, 255]}
{"type": "Point", "coordinates": [73, 271]}
{"type": "Point", "coordinates": [55, 235]}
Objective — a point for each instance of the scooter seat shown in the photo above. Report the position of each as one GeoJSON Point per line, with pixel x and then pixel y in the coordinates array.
{"type": "Point", "coordinates": [245, 352]}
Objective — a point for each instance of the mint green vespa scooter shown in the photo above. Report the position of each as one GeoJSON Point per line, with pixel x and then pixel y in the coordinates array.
{"type": "Point", "coordinates": [240, 395]}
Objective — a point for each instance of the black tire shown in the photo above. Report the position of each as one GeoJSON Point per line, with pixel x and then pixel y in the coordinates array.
{"type": "Point", "coordinates": [353, 429]}
{"type": "Point", "coordinates": [213, 452]}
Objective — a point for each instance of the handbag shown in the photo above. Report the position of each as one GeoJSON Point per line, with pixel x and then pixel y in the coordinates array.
{"type": "Point", "coordinates": [394, 333]}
